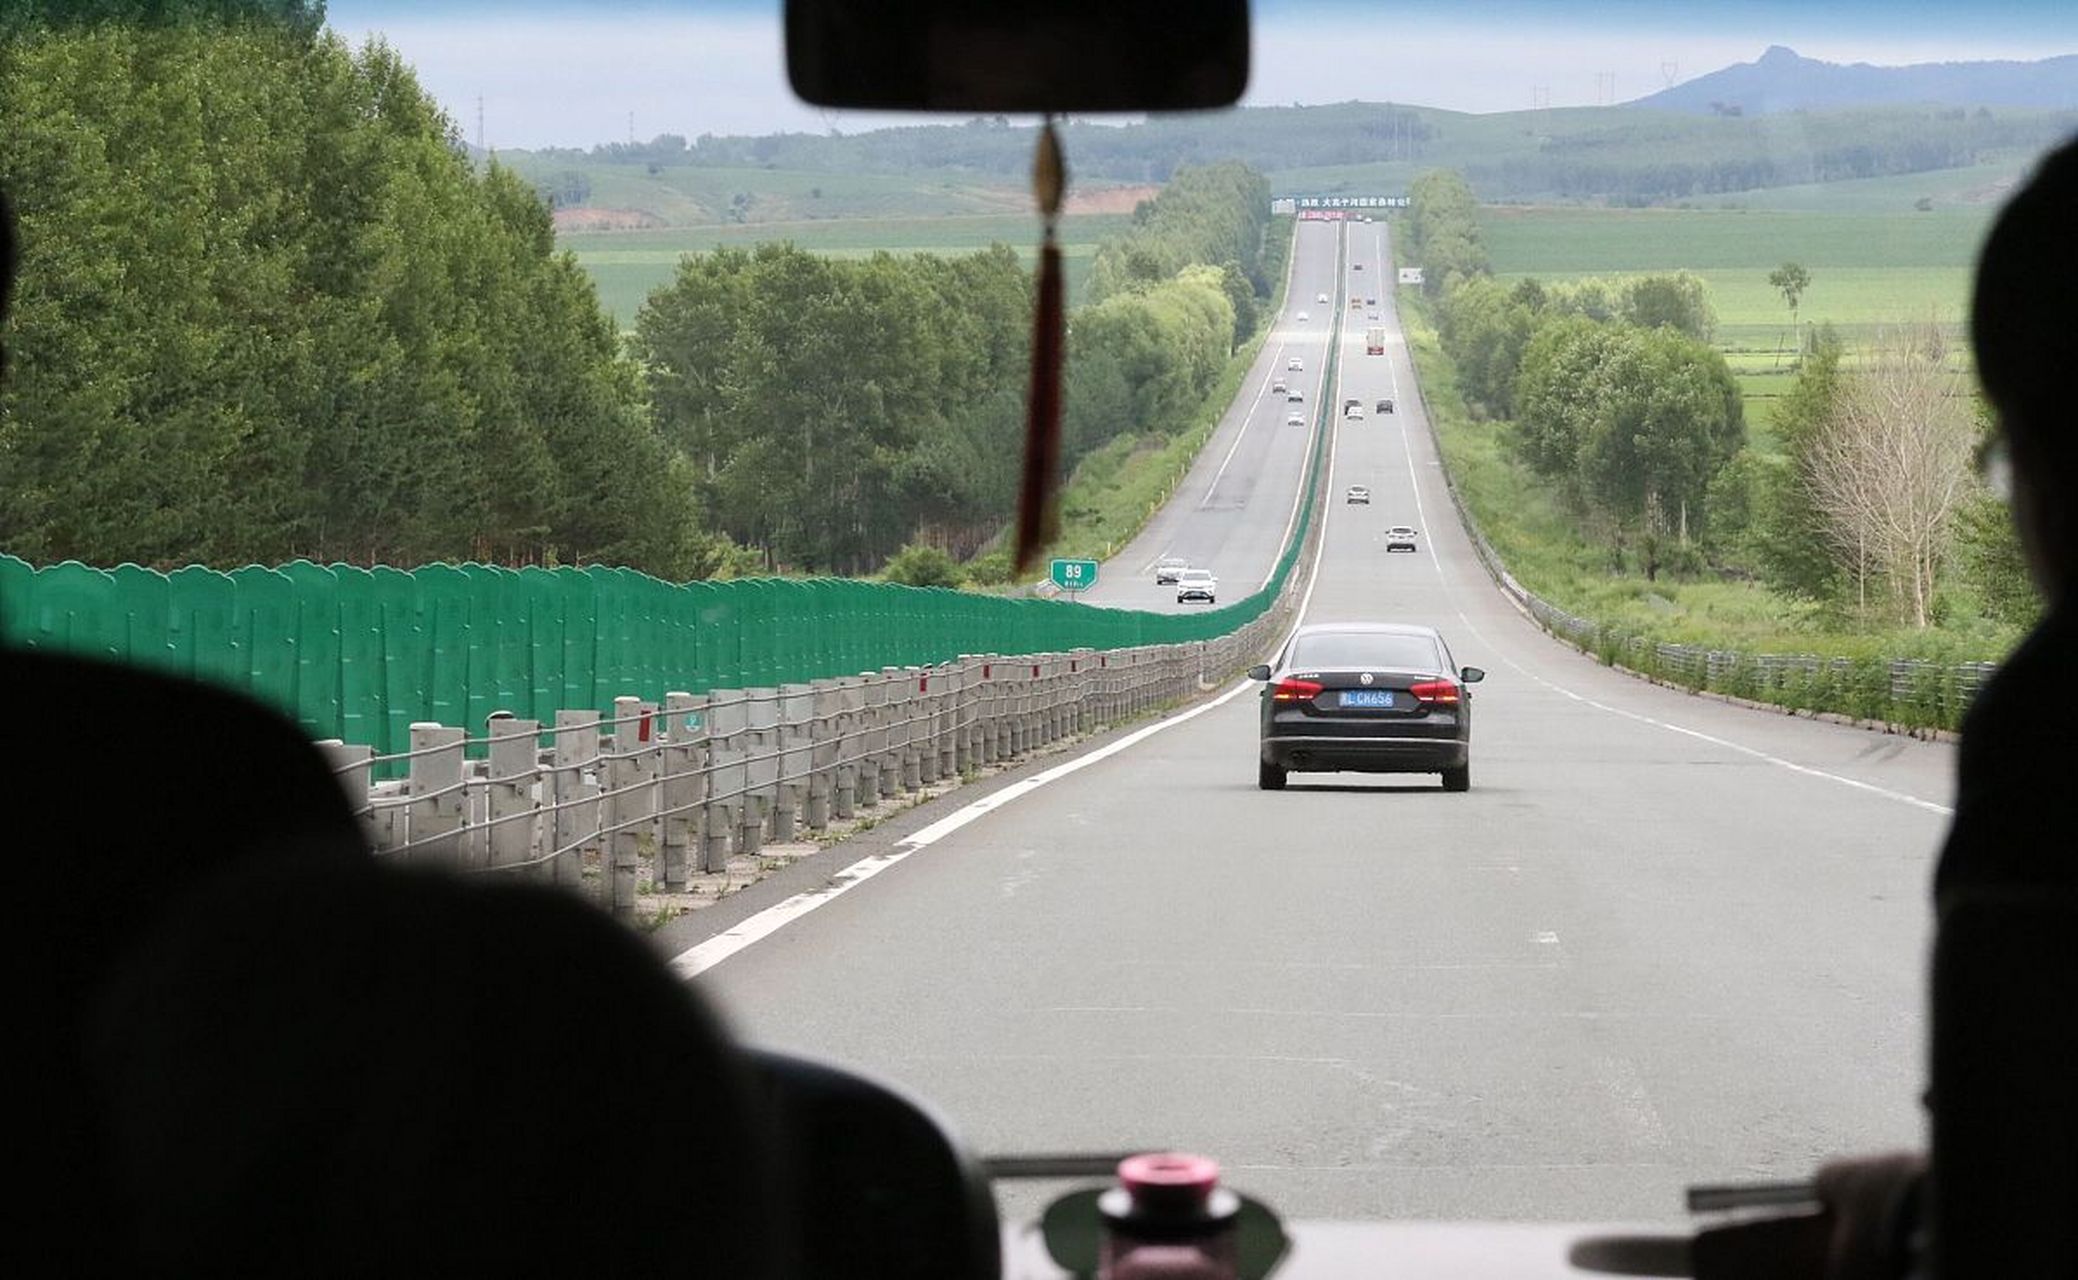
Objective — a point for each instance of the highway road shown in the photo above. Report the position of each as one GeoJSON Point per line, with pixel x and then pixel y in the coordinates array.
{"type": "Point", "coordinates": [1234, 508]}
{"type": "Point", "coordinates": [1661, 940]}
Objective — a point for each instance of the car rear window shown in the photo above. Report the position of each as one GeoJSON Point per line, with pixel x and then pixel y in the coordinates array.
{"type": "Point", "coordinates": [1329, 649]}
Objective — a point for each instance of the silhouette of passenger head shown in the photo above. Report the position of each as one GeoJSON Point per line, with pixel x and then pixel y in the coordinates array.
{"type": "Point", "coordinates": [2021, 324]}
{"type": "Point", "coordinates": [318, 1071]}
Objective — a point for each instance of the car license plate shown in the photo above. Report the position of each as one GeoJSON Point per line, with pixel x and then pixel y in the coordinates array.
{"type": "Point", "coordinates": [1367, 697]}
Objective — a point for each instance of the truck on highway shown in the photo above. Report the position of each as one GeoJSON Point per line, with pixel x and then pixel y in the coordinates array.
{"type": "Point", "coordinates": [1374, 340]}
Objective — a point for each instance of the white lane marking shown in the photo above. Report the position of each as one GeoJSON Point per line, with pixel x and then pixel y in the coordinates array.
{"type": "Point", "coordinates": [699, 958]}
{"type": "Point", "coordinates": [1334, 425]}
{"type": "Point", "coordinates": [1240, 435]}
{"type": "Point", "coordinates": [1291, 266]}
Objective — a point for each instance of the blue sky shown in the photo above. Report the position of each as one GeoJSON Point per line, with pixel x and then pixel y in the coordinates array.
{"type": "Point", "coordinates": [566, 72]}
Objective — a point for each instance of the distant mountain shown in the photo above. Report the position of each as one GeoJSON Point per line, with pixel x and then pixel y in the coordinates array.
{"type": "Point", "coordinates": [1783, 80]}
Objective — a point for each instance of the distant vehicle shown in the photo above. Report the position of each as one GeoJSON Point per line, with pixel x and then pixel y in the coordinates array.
{"type": "Point", "coordinates": [1356, 266]}
{"type": "Point", "coordinates": [1354, 413]}
{"type": "Point", "coordinates": [1278, 387]}
{"type": "Point", "coordinates": [1370, 315]}
{"type": "Point", "coordinates": [1294, 419]}
{"type": "Point", "coordinates": [1374, 340]}
{"type": "Point", "coordinates": [1295, 365]}
{"type": "Point", "coordinates": [1197, 584]}
{"type": "Point", "coordinates": [1400, 538]}
{"type": "Point", "coordinates": [1303, 317]}
{"type": "Point", "coordinates": [1168, 569]}
{"type": "Point", "coordinates": [1320, 297]}
{"type": "Point", "coordinates": [1295, 396]}
{"type": "Point", "coordinates": [1365, 698]}
{"type": "Point", "coordinates": [1350, 403]}
{"type": "Point", "coordinates": [1355, 303]}
{"type": "Point", "coordinates": [1385, 405]}
{"type": "Point", "coordinates": [1359, 494]}
{"type": "Point", "coordinates": [1370, 302]}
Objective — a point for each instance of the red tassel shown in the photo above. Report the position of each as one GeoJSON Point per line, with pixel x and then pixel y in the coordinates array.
{"type": "Point", "coordinates": [1038, 512]}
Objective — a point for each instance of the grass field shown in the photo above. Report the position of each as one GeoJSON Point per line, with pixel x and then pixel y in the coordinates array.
{"type": "Point", "coordinates": [1539, 540]}
{"type": "Point", "coordinates": [629, 264]}
{"type": "Point", "coordinates": [1868, 270]}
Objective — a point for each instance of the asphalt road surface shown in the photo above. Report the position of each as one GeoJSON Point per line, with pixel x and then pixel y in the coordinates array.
{"type": "Point", "coordinates": [1234, 508]}
{"type": "Point", "coordinates": [1661, 940]}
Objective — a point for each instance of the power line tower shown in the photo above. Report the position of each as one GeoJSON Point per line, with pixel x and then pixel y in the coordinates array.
{"type": "Point", "coordinates": [479, 124]}
{"type": "Point", "coordinates": [1670, 71]}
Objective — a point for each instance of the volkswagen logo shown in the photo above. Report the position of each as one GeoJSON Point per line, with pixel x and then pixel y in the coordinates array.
{"type": "Point", "coordinates": [1366, 677]}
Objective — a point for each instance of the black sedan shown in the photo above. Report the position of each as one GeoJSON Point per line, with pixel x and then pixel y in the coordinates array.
{"type": "Point", "coordinates": [1366, 698]}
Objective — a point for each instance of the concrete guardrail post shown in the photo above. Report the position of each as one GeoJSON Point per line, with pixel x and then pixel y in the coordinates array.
{"type": "Point", "coordinates": [872, 739]}
{"type": "Point", "coordinates": [949, 676]}
{"type": "Point", "coordinates": [895, 711]}
{"type": "Point", "coordinates": [435, 785]}
{"type": "Point", "coordinates": [573, 795]}
{"type": "Point", "coordinates": [920, 761]}
{"type": "Point", "coordinates": [684, 786]}
{"type": "Point", "coordinates": [796, 758]}
{"type": "Point", "coordinates": [350, 766]}
{"type": "Point", "coordinates": [761, 763]}
{"type": "Point", "coordinates": [825, 740]}
{"type": "Point", "coordinates": [728, 715]}
{"type": "Point", "coordinates": [630, 800]}
{"type": "Point", "coordinates": [515, 766]}
{"type": "Point", "coordinates": [852, 716]}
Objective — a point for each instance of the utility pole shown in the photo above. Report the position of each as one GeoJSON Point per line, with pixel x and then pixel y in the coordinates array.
{"type": "Point", "coordinates": [631, 128]}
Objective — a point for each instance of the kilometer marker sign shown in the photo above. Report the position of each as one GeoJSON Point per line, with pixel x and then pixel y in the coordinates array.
{"type": "Point", "coordinates": [1075, 575]}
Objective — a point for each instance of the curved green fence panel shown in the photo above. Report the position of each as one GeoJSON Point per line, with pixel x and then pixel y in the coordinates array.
{"type": "Point", "coordinates": [315, 599]}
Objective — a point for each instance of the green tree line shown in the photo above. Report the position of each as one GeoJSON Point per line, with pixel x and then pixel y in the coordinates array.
{"type": "Point", "coordinates": [1611, 392]}
{"type": "Point", "coordinates": [834, 411]}
{"type": "Point", "coordinates": [268, 310]}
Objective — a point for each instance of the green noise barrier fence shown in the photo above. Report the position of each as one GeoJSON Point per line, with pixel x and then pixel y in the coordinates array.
{"type": "Point", "coordinates": [359, 654]}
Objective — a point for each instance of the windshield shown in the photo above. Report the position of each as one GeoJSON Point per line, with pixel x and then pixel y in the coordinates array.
{"type": "Point", "coordinates": [1332, 650]}
{"type": "Point", "coordinates": [423, 367]}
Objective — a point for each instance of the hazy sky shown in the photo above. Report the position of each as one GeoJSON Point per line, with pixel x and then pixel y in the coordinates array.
{"type": "Point", "coordinates": [570, 72]}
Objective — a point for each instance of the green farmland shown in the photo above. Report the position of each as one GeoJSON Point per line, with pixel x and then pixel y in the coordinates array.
{"type": "Point", "coordinates": [1868, 269]}
{"type": "Point", "coordinates": [628, 264]}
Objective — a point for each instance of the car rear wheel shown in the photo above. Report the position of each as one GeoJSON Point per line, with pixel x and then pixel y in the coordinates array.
{"type": "Point", "coordinates": [1458, 779]}
{"type": "Point", "coordinates": [1269, 777]}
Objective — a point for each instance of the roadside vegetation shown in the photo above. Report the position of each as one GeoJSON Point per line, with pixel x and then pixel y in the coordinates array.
{"type": "Point", "coordinates": [1598, 436]}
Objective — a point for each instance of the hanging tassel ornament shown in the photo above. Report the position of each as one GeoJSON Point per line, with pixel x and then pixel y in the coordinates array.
{"type": "Point", "coordinates": [1038, 514]}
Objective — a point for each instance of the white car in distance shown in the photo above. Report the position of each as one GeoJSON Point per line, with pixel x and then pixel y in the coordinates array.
{"type": "Point", "coordinates": [1168, 569]}
{"type": "Point", "coordinates": [1197, 584]}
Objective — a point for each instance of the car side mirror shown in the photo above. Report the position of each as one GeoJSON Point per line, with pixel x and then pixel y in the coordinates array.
{"type": "Point", "coordinates": [1471, 675]}
{"type": "Point", "coordinates": [1260, 671]}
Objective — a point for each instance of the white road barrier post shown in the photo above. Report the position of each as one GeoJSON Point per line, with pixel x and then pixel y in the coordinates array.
{"type": "Point", "coordinates": [761, 761]}
{"type": "Point", "coordinates": [350, 765]}
{"type": "Point", "coordinates": [630, 799]}
{"type": "Point", "coordinates": [576, 823]}
{"type": "Point", "coordinates": [684, 785]}
{"type": "Point", "coordinates": [796, 758]}
{"type": "Point", "coordinates": [727, 716]}
{"type": "Point", "coordinates": [436, 790]}
{"type": "Point", "coordinates": [825, 740]}
{"type": "Point", "coordinates": [514, 768]}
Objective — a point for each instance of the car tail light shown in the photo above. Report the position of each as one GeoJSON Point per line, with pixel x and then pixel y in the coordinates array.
{"type": "Point", "coordinates": [1296, 690]}
{"type": "Point", "coordinates": [1436, 691]}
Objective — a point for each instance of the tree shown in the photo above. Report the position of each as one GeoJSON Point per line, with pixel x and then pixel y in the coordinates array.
{"type": "Point", "coordinates": [1789, 537]}
{"type": "Point", "coordinates": [918, 565]}
{"type": "Point", "coordinates": [1893, 467]}
{"type": "Point", "coordinates": [1670, 419]}
{"type": "Point", "coordinates": [1790, 280]}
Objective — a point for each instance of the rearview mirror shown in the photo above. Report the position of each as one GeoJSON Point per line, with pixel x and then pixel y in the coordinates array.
{"type": "Point", "coordinates": [1260, 671]}
{"type": "Point", "coordinates": [1471, 675]}
{"type": "Point", "coordinates": [1068, 55]}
